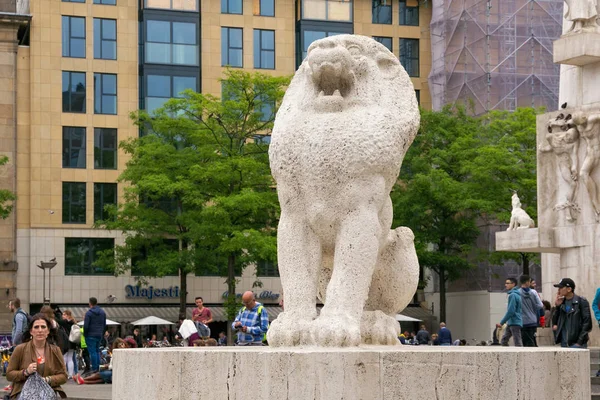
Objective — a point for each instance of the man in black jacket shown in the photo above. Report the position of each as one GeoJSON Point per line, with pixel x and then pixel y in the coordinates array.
{"type": "Point", "coordinates": [572, 320]}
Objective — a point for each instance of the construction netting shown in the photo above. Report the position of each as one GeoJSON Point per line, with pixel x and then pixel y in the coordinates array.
{"type": "Point", "coordinates": [495, 54]}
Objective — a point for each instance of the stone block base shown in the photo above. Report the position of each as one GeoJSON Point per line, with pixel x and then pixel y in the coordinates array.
{"type": "Point", "coordinates": [531, 240]}
{"type": "Point", "coordinates": [369, 372]}
{"type": "Point", "coordinates": [577, 49]}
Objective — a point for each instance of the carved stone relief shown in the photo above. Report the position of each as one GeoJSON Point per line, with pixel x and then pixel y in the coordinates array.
{"type": "Point", "coordinates": [583, 14]}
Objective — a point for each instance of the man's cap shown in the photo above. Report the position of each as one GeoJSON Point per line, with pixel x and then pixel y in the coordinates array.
{"type": "Point", "coordinates": [566, 282]}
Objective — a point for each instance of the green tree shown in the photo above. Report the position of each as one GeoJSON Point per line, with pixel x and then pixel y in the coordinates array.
{"type": "Point", "coordinates": [6, 196]}
{"type": "Point", "coordinates": [198, 194]}
{"type": "Point", "coordinates": [433, 199]}
{"type": "Point", "coordinates": [503, 161]}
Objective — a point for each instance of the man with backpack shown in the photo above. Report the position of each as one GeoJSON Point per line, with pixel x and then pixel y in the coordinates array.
{"type": "Point", "coordinates": [252, 322]}
{"type": "Point", "coordinates": [94, 326]}
{"type": "Point", "coordinates": [20, 321]}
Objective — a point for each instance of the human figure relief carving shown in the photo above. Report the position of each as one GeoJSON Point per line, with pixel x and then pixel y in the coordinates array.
{"type": "Point", "coordinates": [519, 219]}
{"type": "Point", "coordinates": [583, 14]}
{"type": "Point", "coordinates": [589, 129]}
{"type": "Point", "coordinates": [339, 138]}
{"type": "Point", "coordinates": [563, 140]}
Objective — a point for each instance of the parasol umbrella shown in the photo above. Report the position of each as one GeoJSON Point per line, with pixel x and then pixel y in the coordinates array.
{"type": "Point", "coordinates": [152, 320]}
{"type": "Point", "coordinates": [108, 322]}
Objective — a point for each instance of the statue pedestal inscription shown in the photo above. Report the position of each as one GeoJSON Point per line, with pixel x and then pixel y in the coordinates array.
{"type": "Point", "coordinates": [365, 372]}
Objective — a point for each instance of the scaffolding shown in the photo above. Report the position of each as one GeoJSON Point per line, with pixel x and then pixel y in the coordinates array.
{"type": "Point", "coordinates": [495, 54]}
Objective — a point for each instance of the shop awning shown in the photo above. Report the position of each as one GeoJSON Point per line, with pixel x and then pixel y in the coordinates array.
{"type": "Point", "coordinates": [418, 313]}
{"type": "Point", "coordinates": [126, 315]}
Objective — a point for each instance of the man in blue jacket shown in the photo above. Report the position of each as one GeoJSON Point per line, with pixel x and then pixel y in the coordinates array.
{"type": "Point", "coordinates": [94, 326]}
{"type": "Point", "coordinates": [444, 335]}
{"type": "Point", "coordinates": [513, 318]}
{"type": "Point", "coordinates": [531, 306]}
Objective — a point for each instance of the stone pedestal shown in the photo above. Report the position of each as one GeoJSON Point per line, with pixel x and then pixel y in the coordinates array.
{"type": "Point", "coordinates": [369, 372]}
{"type": "Point", "coordinates": [577, 49]}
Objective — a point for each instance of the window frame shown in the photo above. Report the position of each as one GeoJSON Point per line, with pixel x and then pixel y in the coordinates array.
{"type": "Point", "coordinates": [171, 75]}
{"type": "Point", "coordinates": [73, 1]}
{"type": "Point", "coordinates": [378, 39]}
{"type": "Point", "coordinates": [106, 2]}
{"type": "Point", "coordinates": [229, 48]}
{"type": "Point", "coordinates": [89, 256]}
{"type": "Point", "coordinates": [99, 199]}
{"type": "Point", "coordinates": [70, 36]}
{"type": "Point", "coordinates": [403, 57]}
{"type": "Point", "coordinates": [258, 4]}
{"type": "Point", "coordinates": [196, 10]}
{"type": "Point", "coordinates": [267, 269]}
{"type": "Point", "coordinates": [405, 12]}
{"type": "Point", "coordinates": [226, 4]}
{"type": "Point", "coordinates": [101, 40]}
{"type": "Point", "coordinates": [260, 49]}
{"type": "Point", "coordinates": [418, 96]}
{"type": "Point", "coordinates": [67, 213]}
{"type": "Point", "coordinates": [171, 43]}
{"type": "Point", "coordinates": [391, 13]}
{"type": "Point", "coordinates": [70, 78]}
{"type": "Point", "coordinates": [66, 153]}
{"type": "Point", "coordinates": [102, 75]}
{"type": "Point", "coordinates": [100, 147]}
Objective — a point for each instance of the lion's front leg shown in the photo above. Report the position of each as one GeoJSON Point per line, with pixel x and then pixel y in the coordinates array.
{"type": "Point", "coordinates": [299, 257]}
{"type": "Point", "coordinates": [356, 250]}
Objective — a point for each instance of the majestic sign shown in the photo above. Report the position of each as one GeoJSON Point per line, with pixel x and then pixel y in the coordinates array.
{"type": "Point", "coordinates": [138, 292]}
{"type": "Point", "coordinates": [264, 295]}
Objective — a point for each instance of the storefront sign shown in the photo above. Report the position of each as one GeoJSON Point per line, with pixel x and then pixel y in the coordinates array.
{"type": "Point", "coordinates": [264, 295]}
{"type": "Point", "coordinates": [138, 292]}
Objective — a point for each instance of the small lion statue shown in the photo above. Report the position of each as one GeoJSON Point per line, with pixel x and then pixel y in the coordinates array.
{"type": "Point", "coordinates": [519, 219]}
{"type": "Point", "coordinates": [339, 139]}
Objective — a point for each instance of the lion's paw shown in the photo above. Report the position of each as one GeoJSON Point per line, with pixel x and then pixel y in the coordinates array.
{"type": "Point", "coordinates": [288, 329]}
{"type": "Point", "coordinates": [335, 330]}
{"type": "Point", "coordinates": [379, 328]}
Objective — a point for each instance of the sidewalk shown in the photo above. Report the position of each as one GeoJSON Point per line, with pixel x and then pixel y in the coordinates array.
{"type": "Point", "coordinates": [75, 391]}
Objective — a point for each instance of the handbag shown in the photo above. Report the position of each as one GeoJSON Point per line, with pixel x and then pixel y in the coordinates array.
{"type": "Point", "coordinates": [36, 388]}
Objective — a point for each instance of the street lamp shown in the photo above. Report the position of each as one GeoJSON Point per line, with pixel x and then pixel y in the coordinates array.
{"type": "Point", "coordinates": [47, 265]}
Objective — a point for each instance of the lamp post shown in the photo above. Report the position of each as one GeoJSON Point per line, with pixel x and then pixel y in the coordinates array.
{"type": "Point", "coordinates": [47, 265]}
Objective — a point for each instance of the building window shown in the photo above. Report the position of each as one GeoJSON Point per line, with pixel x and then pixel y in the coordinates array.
{"type": "Point", "coordinates": [409, 56]}
{"type": "Point", "coordinates": [386, 41]}
{"type": "Point", "coordinates": [105, 39]}
{"type": "Point", "coordinates": [382, 11]}
{"type": "Point", "coordinates": [418, 95]}
{"type": "Point", "coordinates": [104, 194]}
{"type": "Point", "coordinates": [328, 10]}
{"type": "Point", "coordinates": [73, 147]}
{"type": "Point", "coordinates": [264, 49]}
{"type": "Point", "coordinates": [231, 7]}
{"type": "Point", "coordinates": [73, 211]}
{"type": "Point", "coordinates": [265, 8]}
{"type": "Point", "coordinates": [81, 253]}
{"type": "Point", "coordinates": [409, 15]}
{"type": "Point", "coordinates": [105, 94]}
{"type": "Point", "coordinates": [160, 88]}
{"type": "Point", "coordinates": [170, 42]}
{"type": "Point", "coordinates": [106, 2]}
{"type": "Point", "coordinates": [311, 36]}
{"type": "Point", "coordinates": [149, 253]}
{"type": "Point", "coordinates": [179, 5]}
{"type": "Point", "coordinates": [232, 47]}
{"type": "Point", "coordinates": [105, 148]}
{"type": "Point", "coordinates": [267, 268]}
{"type": "Point", "coordinates": [73, 1]}
{"type": "Point", "coordinates": [73, 37]}
{"type": "Point", "coordinates": [73, 88]}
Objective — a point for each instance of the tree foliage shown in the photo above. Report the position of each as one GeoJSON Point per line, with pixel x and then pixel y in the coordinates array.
{"type": "Point", "coordinates": [6, 196]}
{"type": "Point", "coordinates": [459, 170]}
{"type": "Point", "coordinates": [198, 194]}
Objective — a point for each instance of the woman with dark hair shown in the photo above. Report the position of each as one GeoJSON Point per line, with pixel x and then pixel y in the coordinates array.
{"type": "Point", "coordinates": [67, 323]}
{"type": "Point", "coordinates": [104, 376]}
{"type": "Point", "coordinates": [37, 354]}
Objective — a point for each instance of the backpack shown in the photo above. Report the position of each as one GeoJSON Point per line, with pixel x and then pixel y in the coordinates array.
{"type": "Point", "coordinates": [75, 334]}
{"type": "Point", "coordinates": [63, 339]}
{"type": "Point", "coordinates": [27, 322]}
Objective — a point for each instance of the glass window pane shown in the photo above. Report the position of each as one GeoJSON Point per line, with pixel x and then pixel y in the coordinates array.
{"type": "Point", "coordinates": [181, 83]}
{"type": "Point", "coordinates": [185, 5]}
{"type": "Point", "coordinates": [235, 57]}
{"type": "Point", "coordinates": [159, 31]}
{"type": "Point", "coordinates": [109, 104]}
{"type": "Point", "coordinates": [158, 3]}
{"type": "Point", "coordinates": [268, 40]}
{"type": "Point", "coordinates": [185, 54]}
{"type": "Point", "coordinates": [224, 45]}
{"type": "Point", "coordinates": [235, 37]}
{"type": "Point", "coordinates": [314, 9]}
{"type": "Point", "coordinates": [158, 86]}
{"type": "Point", "coordinates": [65, 36]}
{"type": "Point", "coordinates": [256, 43]}
{"type": "Point", "coordinates": [184, 33]}
{"type": "Point", "coordinates": [268, 60]}
{"type": "Point", "coordinates": [109, 50]}
{"type": "Point", "coordinates": [153, 103]}
{"type": "Point", "coordinates": [382, 11]}
{"type": "Point", "coordinates": [109, 29]}
{"type": "Point", "coordinates": [267, 8]}
{"type": "Point", "coordinates": [386, 41]}
{"type": "Point", "coordinates": [339, 11]}
{"type": "Point", "coordinates": [77, 47]}
{"type": "Point", "coordinates": [109, 84]}
{"type": "Point", "coordinates": [158, 53]}
{"type": "Point", "coordinates": [77, 27]}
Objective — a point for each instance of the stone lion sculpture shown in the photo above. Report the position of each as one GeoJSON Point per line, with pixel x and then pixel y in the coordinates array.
{"type": "Point", "coordinates": [519, 219]}
{"type": "Point", "coordinates": [339, 139]}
